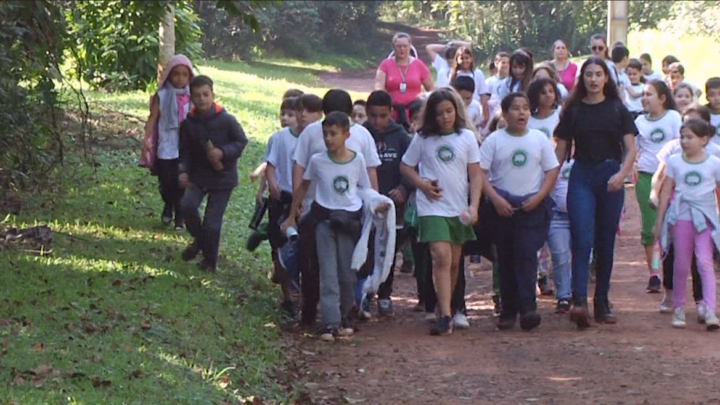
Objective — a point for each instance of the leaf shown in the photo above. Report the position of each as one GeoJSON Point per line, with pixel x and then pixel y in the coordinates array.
{"type": "Point", "coordinates": [42, 370]}
{"type": "Point", "coordinates": [99, 383]}
{"type": "Point", "coordinates": [38, 347]}
{"type": "Point", "coordinates": [145, 325]}
{"type": "Point", "coordinates": [136, 374]}
{"type": "Point", "coordinates": [224, 381]}
{"type": "Point", "coordinates": [116, 283]}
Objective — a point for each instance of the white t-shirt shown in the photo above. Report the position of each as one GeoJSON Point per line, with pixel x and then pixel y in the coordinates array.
{"type": "Point", "coordinates": [474, 113]}
{"type": "Point", "coordinates": [495, 86]}
{"type": "Point", "coordinates": [443, 71]}
{"type": "Point", "coordinates": [281, 156]}
{"type": "Point", "coordinates": [504, 88]}
{"type": "Point", "coordinates": [653, 76]}
{"type": "Point", "coordinates": [561, 186]}
{"type": "Point", "coordinates": [693, 180]}
{"type": "Point", "coordinates": [545, 125]}
{"type": "Point", "coordinates": [673, 147]}
{"type": "Point", "coordinates": [517, 164]}
{"type": "Point", "coordinates": [653, 135]}
{"type": "Point", "coordinates": [480, 85]}
{"type": "Point", "coordinates": [444, 158]}
{"type": "Point", "coordinates": [715, 121]}
{"type": "Point", "coordinates": [633, 104]}
{"type": "Point", "coordinates": [336, 183]}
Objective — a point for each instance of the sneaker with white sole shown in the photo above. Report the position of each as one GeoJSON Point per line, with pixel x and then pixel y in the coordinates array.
{"type": "Point", "coordinates": [701, 312]}
{"type": "Point", "coordinates": [711, 321]}
{"type": "Point", "coordinates": [430, 317]}
{"type": "Point", "coordinates": [666, 305]}
{"type": "Point", "coordinates": [460, 321]}
{"type": "Point", "coordinates": [678, 320]}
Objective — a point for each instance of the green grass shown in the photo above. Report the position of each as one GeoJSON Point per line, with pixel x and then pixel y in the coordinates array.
{"type": "Point", "coordinates": [112, 309]}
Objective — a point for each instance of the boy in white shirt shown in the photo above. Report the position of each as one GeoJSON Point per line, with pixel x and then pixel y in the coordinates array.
{"type": "Point", "coordinates": [337, 210]}
{"type": "Point", "coordinates": [465, 86]}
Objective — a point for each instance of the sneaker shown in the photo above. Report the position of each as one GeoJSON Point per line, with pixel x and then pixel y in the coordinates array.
{"type": "Point", "coordinates": [190, 252]}
{"type": "Point", "coordinates": [563, 306]}
{"type": "Point", "coordinates": [290, 311]}
{"type": "Point", "coordinates": [419, 307]}
{"type": "Point", "coordinates": [385, 307]}
{"type": "Point", "coordinates": [328, 334]}
{"type": "Point", "coordinates": [442, 327]}
{"type": "Point", "coordinates": [460, 321]}
{"type": "Point", "coordinates": [346, 329]}
{"type": "Point", "coordinates": [530, 321]}
{"type": "Point", "coordinates": [497, 308]}
{"type": "Point", "coordinates": [167, 215]}
{"type": "Point", "coordinates": [666, 305]}
{"type": "Point", "coordinates": [711, 321]}
{"type": "Point", "coordinates": [205, 266]}
{"type": "Point", "coordinates": [364, 313]}
{"type": "Point", "coordinates": [580, 315]}
{"type": "Point", "coordinates": [430, 317]}
{"type": "Point", "coordinates": [602, 312]}
{"type": "Point", "coordinates": [678, 319]}
{"type": "Point", "coordinates": [506, 321]}
{"type": "Point", "coordinates": [544, 286]}
{"type": "Point", "coordinates": [179, 225]}
{"type": "Point", "coordinates": [407, 268]}
{"type": "Point", "coordinates": [701, 312]}
{"type": "Point", "coordinates": [254, 240]}
{"type": "Point", "coordinates": [654, 285]}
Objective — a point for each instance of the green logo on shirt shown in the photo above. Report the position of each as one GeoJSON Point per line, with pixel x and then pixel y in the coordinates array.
{"type": "Point", "coordinates": [341, 184]}
{"type": "Point", "coordinates": [519, 158]}
{"type": "Point", "coordinates": [693, 179]}
{"type": "Point", "coordinates": [657, 135]}
{"type": "Point", "coordinates": [565, 175]}
{"type": "Point", "coordinates": [445, 153]}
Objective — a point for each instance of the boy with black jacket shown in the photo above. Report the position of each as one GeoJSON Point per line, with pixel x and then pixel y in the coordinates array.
{"type": "Point", "coordinates": [391, 141]}
{"type": "Point", "coordinates": [211, 141]}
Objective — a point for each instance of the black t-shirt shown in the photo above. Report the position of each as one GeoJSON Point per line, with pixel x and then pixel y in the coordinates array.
{"type": "Point", "coordinates": [596, 129]}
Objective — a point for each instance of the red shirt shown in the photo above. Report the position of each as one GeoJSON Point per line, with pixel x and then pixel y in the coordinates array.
{"type": "Point", "coordinates": [567, 76]}
{"type": "Point", "coordinates": [415, 73]}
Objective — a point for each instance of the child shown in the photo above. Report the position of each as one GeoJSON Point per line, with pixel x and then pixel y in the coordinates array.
{"type": "Point", "coordinates": [492, 70]}
{"type": "Point", "coordinates": [666, 62]}
{"type": "Point", "coordinates": [464, 66]}
{"type": "Point", "coordinates": [337, 209]}
{"type": "Point", "coordinates": [559, 240]}
{"type": "Point", "coordinates": [519, 168]}
{"type": "Point", "coordinates": [633, 91]}
{"type": "Point", "coordinates": [359, 113]}
{"type": "Point", "coordinates": [647, 72]}
{"type": "Point", "coordinates": [712, 94]}
{"type": "Point", "coordinates": [620, 56]}
{"type": "Point", "coordinates": [660, 125]}
{"type": "Point", "coordinates": [547, 71]}
{"type": "Point", "coordinates": [392, 141]}
{"type": "Point", "coordinates": [446, 152]}
{"type": "Point", "coordinates": [692, 177]}
{"type": "Point", "coordinates": [683, 95]}
{"type": "Point", "coordinates": [521, 67]}
{"type": "Point", "coordinates": [677, 76]}
{"type": "Point", "coordinates": [211, 141]}
{"type": "Point", "coordinates": [161, 146]}
{"type": "Point", "coordinates": [442, 57]}
{"type": "Point", "coordinates": [465, 86]}
{"type": "Point", "coordinates": [502, 63]}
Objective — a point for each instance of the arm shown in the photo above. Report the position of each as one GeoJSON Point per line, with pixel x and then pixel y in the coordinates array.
{"type": "Point", "coordinates": [154, 113]}
{"type": "Point", "coordinates": [372, 174]}
{"type": "Point", "coordinates": [380, 77]}
{"type": "Point", "coordinates": [656, 185]}
{"type": "Point", "coordinates": [259, 171]}
{"type": "Point", "coordinates": [431, 191]}
{"type": "Point", "coordinates": [476, 185]}
{"type": "Point", "coordinates": [238, 141]}
{"type": "Point", "coordinates": [434, 50]}
{"type": "Point", "coordinates": [560, 149]}
{"type": "Point", "coordinates": [298, 197]}
{"type": "Point", "coordinates": [297, 178]}
{"type": "Point", "coordinates": [484, 98]}
{"type": "Point", "coordinates": [502, 206]}
{"type": "Point", "coordinates": [668, 186]}
{"type": "Point", "coordinates": [617, 181]}
{"type": "Point", "coordinates": [547, 185]}
{"type": "Point", "coordinates": [428, 84]}
{"type": "Point", "coordinates": [272, 182]}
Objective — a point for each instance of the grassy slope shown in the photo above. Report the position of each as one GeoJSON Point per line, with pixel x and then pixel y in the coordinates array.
{"type": "Point", "coordinates": [118, 307]}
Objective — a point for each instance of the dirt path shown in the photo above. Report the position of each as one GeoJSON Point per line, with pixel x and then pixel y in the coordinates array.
{"type": "Point", "coordinates": [641, 360]}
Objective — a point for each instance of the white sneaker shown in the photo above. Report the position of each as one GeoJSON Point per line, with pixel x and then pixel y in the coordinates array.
{"type": "Point", "coordinates": [460, 321]}
{"type": "Point", "coordinates": [666, 305]}
{"type": "Point", "coordinates": [701, 312]}
{"type": "Point", "coordinates": [711, 321]}
{"type": "Point", "coordinates": [430, 317]}
{"type": "Point", "coordinates": [678, 320]}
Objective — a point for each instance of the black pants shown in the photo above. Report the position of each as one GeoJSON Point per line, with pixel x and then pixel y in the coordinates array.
{"type": "Point", "coordinates": [426, 285]}
{"type": "Point", "coordinates": [669, 271]}
{"type": "Point", "coordinates": [206, 232]}
{"type": "Point", "coordinates": [170, 191]}
{"type": "Point", "coordinates": [277, 212]}
{"type": "Point", "coordinates": [518, 239]}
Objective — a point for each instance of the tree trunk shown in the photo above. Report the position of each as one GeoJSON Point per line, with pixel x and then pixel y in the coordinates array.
{"type": "Point", "coordinates": [167, 39]}
{"type": "Point", "coordinates": [617, 22]}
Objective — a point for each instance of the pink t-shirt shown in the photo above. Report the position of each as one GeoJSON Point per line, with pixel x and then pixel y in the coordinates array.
{"type": "Point", "coordinates": [567, 76]}
{"type": "Point", "coordinates": [415, 73]}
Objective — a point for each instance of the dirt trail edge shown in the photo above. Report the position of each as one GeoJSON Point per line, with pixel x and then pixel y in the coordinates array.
{"type": "Point", "coordinates": [641, 360]}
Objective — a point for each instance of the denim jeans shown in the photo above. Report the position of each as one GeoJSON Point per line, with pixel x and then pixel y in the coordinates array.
{"type": "Point", "coordinates": [559, 242]}
{"type": "Point", "coordinates": [594, 218]}
{"type": "Point", "coordinates": [205, 231]}
{"type": "Point", "coordinates": [337, 278]}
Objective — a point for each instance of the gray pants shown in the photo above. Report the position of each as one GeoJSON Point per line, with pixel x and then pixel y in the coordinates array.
{"type": "Point", "coordinates": [337, 279]}
{"type": "Point", "coordinates": [206, 231]}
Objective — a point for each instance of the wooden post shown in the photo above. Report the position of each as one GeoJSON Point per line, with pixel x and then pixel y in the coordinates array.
{"type": "Point", "coordinates": [167, 39]}
{"type": "Point", "coordinates": [617, 22]}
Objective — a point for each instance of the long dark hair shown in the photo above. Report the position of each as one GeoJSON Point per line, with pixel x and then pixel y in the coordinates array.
{"type": "Point", "coordinates": [430, 126]}
{"type": "Point", "coordinates": [459, 53]}
{"type": "Point", "coordinates": [521, 57]}
{"type": "Point", "coordinates": [663, 90]}
{"type": "Point", "coordinates": [580, 91]}
{"type": "Point", "coordinates": [535, 90]}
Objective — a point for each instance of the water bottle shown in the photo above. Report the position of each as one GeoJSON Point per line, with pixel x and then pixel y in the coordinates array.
{"type": "Point", "coordinates": [466, 218]}
{"type": "Point", "coordinates": [656, 261]}
{"type": "Point", "coordinates": [292, 234]}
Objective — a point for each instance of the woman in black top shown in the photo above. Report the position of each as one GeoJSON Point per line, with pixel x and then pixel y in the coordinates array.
{"type": "Point", "coordinates": [599, 128]}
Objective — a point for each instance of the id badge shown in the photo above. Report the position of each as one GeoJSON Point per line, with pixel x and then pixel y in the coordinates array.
{"type": "Point", "coordinates": [403, 87]}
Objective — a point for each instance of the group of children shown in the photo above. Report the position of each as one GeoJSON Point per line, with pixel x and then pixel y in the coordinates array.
{"type": "Point", "coordinates": [473, 172]}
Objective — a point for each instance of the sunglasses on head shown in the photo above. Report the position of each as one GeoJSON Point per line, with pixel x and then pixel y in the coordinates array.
{"type": "Point", "coordinates": [597, 48]}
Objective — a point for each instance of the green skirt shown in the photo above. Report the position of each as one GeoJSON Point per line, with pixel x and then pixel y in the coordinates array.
{"type": "Point", "coordinates": [444, 229]}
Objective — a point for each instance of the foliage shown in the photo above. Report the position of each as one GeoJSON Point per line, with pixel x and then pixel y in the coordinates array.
{"type": "Point", "coordinates": [699, 18]}
{"type": "Point", "coordinates": [118, 42]}
{"type": "Point", "coordinates": [31, 44]}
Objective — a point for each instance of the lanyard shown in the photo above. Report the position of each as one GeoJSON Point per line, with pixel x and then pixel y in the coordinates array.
{"type": "Point", "coordinates": [402, 74]}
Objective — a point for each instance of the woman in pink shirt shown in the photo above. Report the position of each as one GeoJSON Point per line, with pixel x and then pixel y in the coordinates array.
{"type": "Point", "coordinates": [564, 67]}
{"type": "Point", "coordinates": [403, 76]}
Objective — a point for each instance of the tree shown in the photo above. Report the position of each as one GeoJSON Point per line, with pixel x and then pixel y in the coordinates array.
{"type": "Point", "coordinates": [166, 36]}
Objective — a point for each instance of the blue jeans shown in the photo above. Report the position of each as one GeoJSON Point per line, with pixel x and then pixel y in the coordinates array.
{"type": "Point", "coordinates": [594, 217]}
{"type": "Point", "coordinates": [560, 242]}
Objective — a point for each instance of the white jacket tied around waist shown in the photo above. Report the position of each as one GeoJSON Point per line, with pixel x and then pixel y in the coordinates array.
{"type": "Point", "coordinates": [384, 243]}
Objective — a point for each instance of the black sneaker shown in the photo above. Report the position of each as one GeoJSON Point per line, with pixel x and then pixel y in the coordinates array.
{"type": "Point", "coordinates": [497, 309]}
{"type": "Point", "coordinates": [255, 239]}
{"type": "Point", "coordinates": [441, 327]}
{"type": "Point", "coordinates": [602, 312]}
{"type": "Point", "coordinates": [290, 311]}
{"type": "Point", "coordinates": [545, 288]}
{"type": "Point", "coordinates": [179, 224]}
{"type": "Point", "coordinates": [563, 306]}
{"type": "Point", "coordinates": [190, 252]}
{"type": "Point", "coordinates": [205, 266]}
{"type": "Point", "coordinates": [580, 314]}
{"type": "Point", "coordinates": [506, 321]}
{"type": "Point", "coordinates": [654, 285]}
{"type": "Point", "coordinates": [530, 321]}
{"type": "Point", "coordinates": [167, 215]}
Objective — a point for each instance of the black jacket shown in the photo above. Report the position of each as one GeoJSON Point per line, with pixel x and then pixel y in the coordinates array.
{"type": "Point", "coordinates": [218, 126]}
{"type": "Point", "coordinates": [391, 146]}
